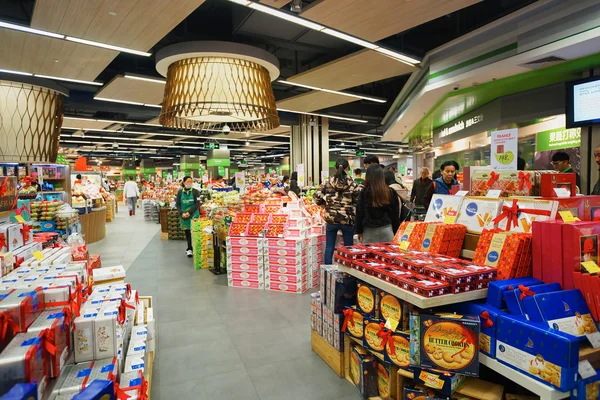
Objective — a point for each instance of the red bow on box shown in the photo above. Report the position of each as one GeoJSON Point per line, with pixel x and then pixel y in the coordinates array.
{"type": "Point", "coordinates": [19, 211]}
{"type": "Point", "coordinates": [121, 317]}
{"type": "Point", "coordinates": [493, 178]}
{"type": "Point", "coordinates": [49, 341]}
{"type": "Point", "coordinates": [348, 316]}
{"type": "Point", "coordinates": [25, 231]}
{"type": "Point", "coordinates": [143, 393]}
{"type": "Point", "coordinates": [3, 241]}
{"type": "Point", "coordinates": [512, 214]}
{"type": "Point", "coordinates": [488, 323]}
{"type": "Point", "coordinates": [3, 187]}
{"type": "Point", "coordinates": [18, 261]}
{"type": "Point", "coordinates": [524, 180]}
{"type": "Point", "coordinates": [468, 339]}
{"type": "Point", "coordinates": [77, 298]}
{"type": "Point", "coordinates": [386, 336]}
{"type": "Point", "coordinates": [6, 321]}
{"type": "Point", "coordinates": [525, 292]}
{"type": "Point", "coordinates": [128, 293]}
{"type": "Point", "coordinates": [68, 316]}
{"type": "Point", "coordinates": [120, 393]}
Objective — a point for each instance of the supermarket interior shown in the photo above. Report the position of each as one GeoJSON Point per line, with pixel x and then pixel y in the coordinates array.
{"type": "Point", "coordinates": [299, 199]}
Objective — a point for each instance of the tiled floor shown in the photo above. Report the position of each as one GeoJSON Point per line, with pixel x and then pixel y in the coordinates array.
{"type": "Point", "coordinates": [216, 342]}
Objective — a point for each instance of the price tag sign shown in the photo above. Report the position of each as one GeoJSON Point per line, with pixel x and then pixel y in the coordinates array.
{"type": "Point", "coordinates": [562, 192]}
{"type": "Point", "coordinates": [568, 217]}
{"type": "Point", "coordinates": [462, 193]}
{"type": "Point", "coordinates": [449, 219]}
{"type": "Point", "coordinates": [594, 339]}
{"type": "Point", "coordinates": [404, 245]}
{"type": "Point", "coordinates": [591, 267]}
{"type": "Point", "coordinates": [38, 255]}
{"type": "Point", "coordinates": [493, 194]}
{"type": "Point", "coordinates": [20, 219]}
{"type": "Point", "coordinates": [391, 324]}
{"type": "Point", "coordinates": [585, 369]}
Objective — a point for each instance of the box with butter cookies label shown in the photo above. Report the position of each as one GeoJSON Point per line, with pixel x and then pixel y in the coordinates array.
{"type": "Point", "coordinates": [366, 299]}
{"type": "Point", "coordinates": [397, 349]}
{"type": "Point", "coordinates": [447, 342]}
{"type": "Point", "coordinates": [372, 338]}
{"type": "Point", "coordinates": [353, 323]}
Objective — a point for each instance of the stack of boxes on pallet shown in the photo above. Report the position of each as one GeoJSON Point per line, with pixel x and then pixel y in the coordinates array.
{"type": "Point", "coordinates": [174, 226]}
{"type": "Point", "coordinates": [336, 291]}
{"type": "Point", "coordinates": [245, 262]}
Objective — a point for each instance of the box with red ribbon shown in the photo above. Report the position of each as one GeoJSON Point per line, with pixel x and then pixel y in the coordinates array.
{"type": "Point", "coordinates": [510, 183]}
{"type": "Point", "coordinates": [517, 215]}
{"type": "Point", "coordinates": [23, 361]}
{"type": "Point", "coordinates": [77, 377]}
{"type": "Point", "coordinates": [55, 325]}
{"type": "Point", "coordinates": [8, 193]}
{"type": "Point", "coordinates": [23, 306]}
{"type": "Point", "coordinates": [488, 316]}
{"type": "Point", "coordinates": [11, 237]}
{"type": "Point", "coordinates": [551, 181]}
{"type": "Point", "coordinates": [447, 342]}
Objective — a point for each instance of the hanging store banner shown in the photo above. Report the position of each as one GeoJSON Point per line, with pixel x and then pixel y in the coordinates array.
{"type": "Point", "coordinates": [504, 149]}
{"type": "Point", "coordinates": [558, 139]}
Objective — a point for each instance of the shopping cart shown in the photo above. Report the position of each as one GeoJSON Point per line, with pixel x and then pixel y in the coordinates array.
{"type": "Point", "coordinates": [416, 213]}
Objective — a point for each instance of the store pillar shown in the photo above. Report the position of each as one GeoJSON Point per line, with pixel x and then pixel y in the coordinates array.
{"type": "Point", "coordinates": [218, 163]}
{"type": "Point", "coordinates": [189, 165]}
{"type": "Point", "coordinates": [309, 146]}
{"type": "Point", "coordinates": [148, 170]}
{"type": "Point", "coordinates": [128, 169]}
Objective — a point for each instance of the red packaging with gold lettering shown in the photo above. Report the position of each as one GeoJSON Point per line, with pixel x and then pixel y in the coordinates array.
{"type": "Point", "coordinates": [483, 245]}
{"type": "Point", "coordinates": [591, 208]}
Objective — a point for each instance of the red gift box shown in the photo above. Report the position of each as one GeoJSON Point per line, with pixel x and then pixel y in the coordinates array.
{"type": "Point", "coordinates": [391, 273]}
{"type": "Point", "coordinates": [23, 361]}
{"type": "Point", "coordinates": [580, 243]}
{"type": "Point", "coordinates": [95, 261]}
{"type": "Point", "coordinates": [549, 182]}
{"type": "Point", "coordinates": [591, 208]}
{"type": "Point", "coordinates": [424, 285]}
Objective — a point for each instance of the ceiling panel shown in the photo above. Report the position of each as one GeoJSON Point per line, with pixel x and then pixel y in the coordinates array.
{"type": "Point", "coordinates": [275, 3]}
{"type": "Point", "coordinates": [377, 19]}
{"type": "Point", "coordinates": [138, 24]}
{"type": "Point", "coordinates": [314, 100]}
{"type": "Point", "coordinates": [84, 124]}
{"type": "Point", "coordinates": [356, 69]}
{"type": "Point", "coordinates": [121, 88]}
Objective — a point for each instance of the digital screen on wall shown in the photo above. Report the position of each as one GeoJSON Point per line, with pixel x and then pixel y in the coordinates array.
{"type": "Point", "coordinates": [583, 102]}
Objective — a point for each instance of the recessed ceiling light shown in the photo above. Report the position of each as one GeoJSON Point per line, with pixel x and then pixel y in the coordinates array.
{"type": "Point", "coordinates": [55, 60]}
{"type": "Point", "coordinates": [112, 13]}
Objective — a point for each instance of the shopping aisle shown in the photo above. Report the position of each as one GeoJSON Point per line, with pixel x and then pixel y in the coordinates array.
{"type": "Point", "coordinates": [216, 342]}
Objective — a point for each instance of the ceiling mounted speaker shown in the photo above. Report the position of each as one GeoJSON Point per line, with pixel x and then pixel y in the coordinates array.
{"type": "Point", "coordinates": [213, 85]}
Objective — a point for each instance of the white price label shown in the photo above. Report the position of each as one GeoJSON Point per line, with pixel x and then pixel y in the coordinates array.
{"type": "Point", "coordinates": [493, 194]}
{"type": "Point", "coordinates": [462, 193]}
{"type": "Point", "coordinates": [562, 192]}
{"type": "Point", "coordinates": [585, 369]}
{"type": "Point", "coordinates": [594, 339]}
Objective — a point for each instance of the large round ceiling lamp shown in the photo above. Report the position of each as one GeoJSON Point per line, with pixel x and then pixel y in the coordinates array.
{"type": "Point", "coordinates": [218, 85]}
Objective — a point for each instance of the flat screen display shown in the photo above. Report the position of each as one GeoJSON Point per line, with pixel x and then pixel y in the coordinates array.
{"type": "Point", "coordinates": [583, 102]}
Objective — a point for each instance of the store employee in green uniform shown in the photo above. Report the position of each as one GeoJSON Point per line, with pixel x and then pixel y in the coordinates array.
{"type": "Point", "coordinates": [188, 203]}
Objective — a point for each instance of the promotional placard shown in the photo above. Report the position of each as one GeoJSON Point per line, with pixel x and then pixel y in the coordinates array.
{"type": "Point", "coordinates": [240, 180]}
{"type": "Point", "coordinates": [504, 149]}
{"type": "Point", "coordinates": [301, 175]}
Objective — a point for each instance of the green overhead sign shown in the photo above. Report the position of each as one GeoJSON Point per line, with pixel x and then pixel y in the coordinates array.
{"type": "Point", "coordinates": [218, 162]}
{"type": "Point", "coordinates": [212, 145]}
{"type": "Point", "coordinates": [558, 139]}
{"type": "Point", "coordinates": [360, 153]}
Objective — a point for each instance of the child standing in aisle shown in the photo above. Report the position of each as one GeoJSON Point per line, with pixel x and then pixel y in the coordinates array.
{"type": "Point", "coordinates": [188, 204]}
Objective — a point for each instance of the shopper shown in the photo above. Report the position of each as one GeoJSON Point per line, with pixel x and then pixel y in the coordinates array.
{"type": "Point", "coordinates": [78, 180]}
{"type": "Point", "coordinates": [401, 192]}
{"type": "Point", "coordinates": [130, 194]}
{"type": "Point", "coordinates": [443, 184]}
{"type": "Point", "coordinates": [294, 184]}
{"type": "Point", "coordinates": [188, 204]}
{"type": "Point", "coordinates": [561, 163]}
{"type": "Point", "coordinates": [596, 189]}
{"type": "Point", "coordinates": [378, 209]}
{"type": "Point", "coordinates": [370, 160]}
{"type": "Point", "coordinates": [420, 186]}
{"type": "Point", "coordinates": [338, 195]}
{"type": "Point", "coordinates": [358, 179]}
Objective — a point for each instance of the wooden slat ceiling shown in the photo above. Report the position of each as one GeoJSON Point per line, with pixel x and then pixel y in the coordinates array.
{"type": "Point", "coordinates": [377, 19]}
{"type": "Point", "coordinates": [121, 88]}
{"type": "Point", "coordinates": [79, 123]}
{"type": "Point", "coordinates": [314, 100]}
{"type": "Point", "coordinates": [356, 69]}
{"type": "Point", "coordinates": [138, 24]}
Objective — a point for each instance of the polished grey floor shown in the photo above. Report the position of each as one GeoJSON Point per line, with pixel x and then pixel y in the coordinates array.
{"type": "Point", "coordinates": [216, 342]}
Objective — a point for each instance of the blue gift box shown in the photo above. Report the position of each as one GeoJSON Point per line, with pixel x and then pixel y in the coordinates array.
{"type": "Point", "coordinates": [489, 321]}
{"type": "Point", "coordinates": [548, 356]}
{"type": "Point", "coordinates": [513, 300]}
{"type": "Point", "coordinates": [98, 389]}
{"type": "Point", "coordinates": [22, 391]}
{"type": "Point", "coordinates": [496, 289]}
{"type": "Point", "coordinates": [564, 311]}
{"type": "Point", "coordinates": [588, 388]}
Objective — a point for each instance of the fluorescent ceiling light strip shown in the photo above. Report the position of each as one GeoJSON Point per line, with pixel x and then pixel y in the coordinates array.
{"type": "Point", "coordinates": [356, 96]}
{"type": "Point", "coordinates": [329, 31]}
{"type": "Point", "coordinates": [10, 71]}
{"type": "Point", "coordinates": [397, 56]}
{"type": "Point", "coordinates": [107, 46]}
{"type": "Point", "coordinates": [286, 16]}
{"type": "Point", "coordinates": [112, 121]}
{"type": "Point", "coordinates": [362, 121]}
{"type": "Point", "coordinates": [349, 38]}
{"type": "Point", "coordinates": [153, 105]}
{"type": "Point", "coordinates": [68, 80]}
{"type": "Point", "coordinates": [136, 103]}
{"type": "Point", "coordinates": [336, 149]}
{"type": "Point", "coordinates": [353, 133]}
{"type": "Point", "coordinates": [27, 29]}
{"type": "Point", "coordinates": [145, 78]}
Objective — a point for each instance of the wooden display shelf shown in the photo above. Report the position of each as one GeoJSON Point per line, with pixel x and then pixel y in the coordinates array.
{"type": "Point", "coordinates": [415, 299]}
{"type": "Point", "coordinates": [149, 372]}
{"type": "Point", "coordinates": [328, 353]}
{"type": "Point", "coordinates": [93, 226]}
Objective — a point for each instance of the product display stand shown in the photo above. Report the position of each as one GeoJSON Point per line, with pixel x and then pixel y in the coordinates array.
{"type": "Point", "coordinates": [415, 299]}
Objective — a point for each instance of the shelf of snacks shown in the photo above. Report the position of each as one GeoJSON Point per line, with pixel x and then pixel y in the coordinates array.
{"type": "Point", "coordinates": [417, 300]}
{"type": "Point", "coordinates": [86, 324]}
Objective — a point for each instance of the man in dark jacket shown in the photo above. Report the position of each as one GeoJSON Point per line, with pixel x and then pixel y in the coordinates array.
{"type": "Point", "coordinates": [420, 186]}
